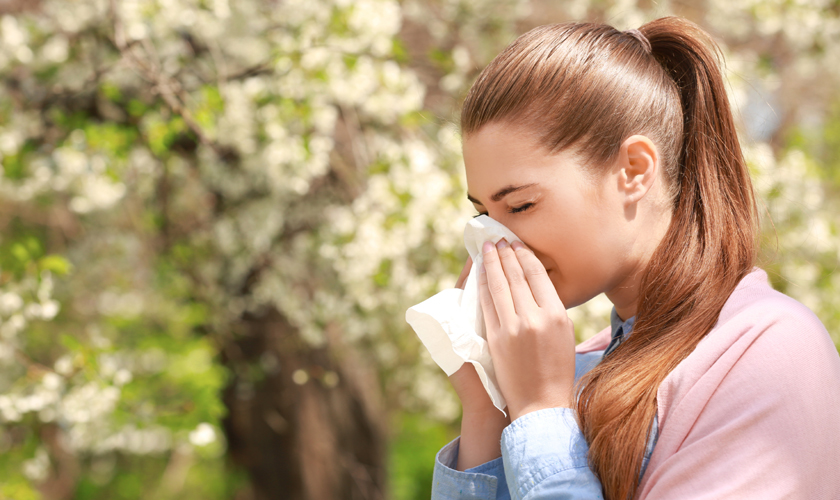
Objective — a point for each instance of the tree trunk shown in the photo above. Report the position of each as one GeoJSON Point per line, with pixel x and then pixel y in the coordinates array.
{"type": "Point", "coordinates": [314, 427]}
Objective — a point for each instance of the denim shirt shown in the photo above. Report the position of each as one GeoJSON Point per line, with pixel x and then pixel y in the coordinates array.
{"type": "Point", "coordinates": [544, 453]}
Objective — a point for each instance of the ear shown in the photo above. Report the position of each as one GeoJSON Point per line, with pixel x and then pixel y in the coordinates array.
{"type": "Point", "coordinates": [638, 164]}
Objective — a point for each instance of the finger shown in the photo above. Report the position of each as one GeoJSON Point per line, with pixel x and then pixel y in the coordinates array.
{"type": "Point", "coordinates": [497, 285]}
{"type": "Point", "coordinates": [464, 273]}
{"type": "Point", "coordinates": [491, 318]}
{"type": "Point", "coordinates": [520, 292]}
{"type": "Point", "coordinates": [538, 280]}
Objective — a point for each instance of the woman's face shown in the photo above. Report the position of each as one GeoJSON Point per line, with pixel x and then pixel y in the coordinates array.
{"type": "Point", "coordinates": [575, 220]}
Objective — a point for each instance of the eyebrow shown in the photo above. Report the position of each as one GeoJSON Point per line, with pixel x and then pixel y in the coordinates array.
{"type": "Point", "coordinates": [502, 192]}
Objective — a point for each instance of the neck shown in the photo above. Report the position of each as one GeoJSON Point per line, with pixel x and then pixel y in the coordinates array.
{"type": "Point", "coordinates": [625, 296]}
{"type": "Point", "coordinates": [647, 237]}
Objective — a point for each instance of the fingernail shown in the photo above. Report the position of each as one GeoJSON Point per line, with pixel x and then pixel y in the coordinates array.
{"type": "Point", "coordinates": [488, 246]}
{"type": "Point", "coordinates": [501, 244]}
{"type": "Point", "coordinates": [516, 245]}
{"type": "Point", "coordinates": [481, 269]}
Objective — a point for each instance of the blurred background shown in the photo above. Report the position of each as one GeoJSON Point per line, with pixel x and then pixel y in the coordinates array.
{"type": "Point", "coordinates": [214, 213]}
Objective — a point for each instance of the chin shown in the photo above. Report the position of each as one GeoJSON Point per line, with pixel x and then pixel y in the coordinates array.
{"type": "Point", "coordinates": [567, 297]}
{"type": "Point", "coordinates": [570, 298]}
{"type": "Point", "coordinates": [571, 303]}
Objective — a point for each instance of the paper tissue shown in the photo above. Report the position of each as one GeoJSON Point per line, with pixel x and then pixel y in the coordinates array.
{"type": "Point", "coordinates": [451, 325]}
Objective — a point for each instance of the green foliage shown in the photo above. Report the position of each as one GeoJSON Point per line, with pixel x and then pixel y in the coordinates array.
{"type": "Point", "coordinates": [162, 134]}
{"type": "Point", "coordinates": [14, 166]}
{"type": "Point", "coordinates": [413, 448]}
{"type": "Point", "coordinates": [115, 140]}
{"type": "Point", "coordinates": [18, 488]}
{"type": "Point", "coordinates": [204, 162]}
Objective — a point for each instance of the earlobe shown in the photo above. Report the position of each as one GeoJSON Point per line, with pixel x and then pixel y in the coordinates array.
{"type": "Point", "coordinates": [639, 164]}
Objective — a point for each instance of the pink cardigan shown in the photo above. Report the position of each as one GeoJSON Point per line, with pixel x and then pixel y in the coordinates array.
{"type": "Point", "coordinates": [754, 411]}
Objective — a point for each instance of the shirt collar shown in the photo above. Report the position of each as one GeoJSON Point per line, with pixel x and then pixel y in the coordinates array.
{"type": "Point", "coordinates": [619, 327]}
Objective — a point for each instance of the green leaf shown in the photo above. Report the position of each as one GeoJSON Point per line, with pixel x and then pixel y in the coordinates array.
{"type": "Point", "coordinates": [20, 252]}
{"type": "Point", "coordinates": [56, 264]}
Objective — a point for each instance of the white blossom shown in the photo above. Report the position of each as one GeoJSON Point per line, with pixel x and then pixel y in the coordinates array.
{"type": "Point", "coordinates": [203, 435]}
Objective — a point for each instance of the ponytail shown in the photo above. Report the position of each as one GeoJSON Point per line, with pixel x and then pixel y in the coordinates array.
{"type": "Point", "coordinates": [588, 87]}
{"type": "Point", "coordinates": [709, 247]}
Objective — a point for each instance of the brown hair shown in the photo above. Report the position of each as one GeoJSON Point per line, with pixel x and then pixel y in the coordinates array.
{"type": "Point", "coordinates": [589, 87]}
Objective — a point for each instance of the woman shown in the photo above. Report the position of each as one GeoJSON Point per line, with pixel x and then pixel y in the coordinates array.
{"type": "Point", "coordinates": [614, 157]}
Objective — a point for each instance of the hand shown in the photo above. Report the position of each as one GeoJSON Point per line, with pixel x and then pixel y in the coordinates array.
{"type": "Point", "coordinates": [531, 338]}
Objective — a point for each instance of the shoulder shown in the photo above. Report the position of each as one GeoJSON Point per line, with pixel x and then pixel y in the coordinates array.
{"type": "Point", "coordinates": [778, 343]}
{"type": "Point", "coordinates": [764, 344]}
{"type": "Point", "coordinates": [762, 388]}
{"type": "Point", "coordinates": [757, 317]}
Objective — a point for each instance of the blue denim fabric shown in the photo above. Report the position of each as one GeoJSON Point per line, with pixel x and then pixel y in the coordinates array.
{"type": "Point", "coordinates": [620, 331]}
{"type": "Point", "coordinates": [544, 453]}
{"type": "Point", "coordinates": [486, 481]}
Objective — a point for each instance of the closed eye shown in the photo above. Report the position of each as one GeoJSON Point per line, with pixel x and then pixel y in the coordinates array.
{"type": "Point", "coordinates": [520, 208]}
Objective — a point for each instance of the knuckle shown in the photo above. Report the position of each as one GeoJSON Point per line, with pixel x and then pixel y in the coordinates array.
{"type": "Point", "coordinates": [529, 326]}
{"type": "Point", "coordinates": [511, 327]}
{"type": "Point", "coordinates": [533, 325]}
{"type": "Point", "coordinates": [496, 287]}
{"type": "Point", "coordinates": [517, 278]}
{"type": "Point", "coordinates": [559, 318]}
{"type": "Point", "coordinates": [491, 258]}
{"type": "Point", "coordinates": [533, 271]}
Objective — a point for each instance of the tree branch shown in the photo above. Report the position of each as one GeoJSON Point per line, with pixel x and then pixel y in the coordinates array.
{"type": "Point", "coordinates": [147, 66]}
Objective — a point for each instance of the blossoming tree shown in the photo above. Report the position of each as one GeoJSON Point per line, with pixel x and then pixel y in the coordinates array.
{"type": "Point", "coordinates": [215, 213]}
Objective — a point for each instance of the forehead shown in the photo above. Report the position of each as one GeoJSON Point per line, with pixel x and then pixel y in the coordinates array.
{"type": "Point", "coordinates": [501, 155]}
{"type": "Point", "coordinates": [498, 155]}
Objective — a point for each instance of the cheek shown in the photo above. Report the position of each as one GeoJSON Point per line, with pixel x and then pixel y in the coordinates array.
{"type": "Point", "coordinates": [569, 251]}
{"type": "Point", "coordinates": [545, 245]}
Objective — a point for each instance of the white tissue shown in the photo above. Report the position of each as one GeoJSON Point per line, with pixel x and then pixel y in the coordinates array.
{"type": "Point", "coordinates": [451, 325]}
